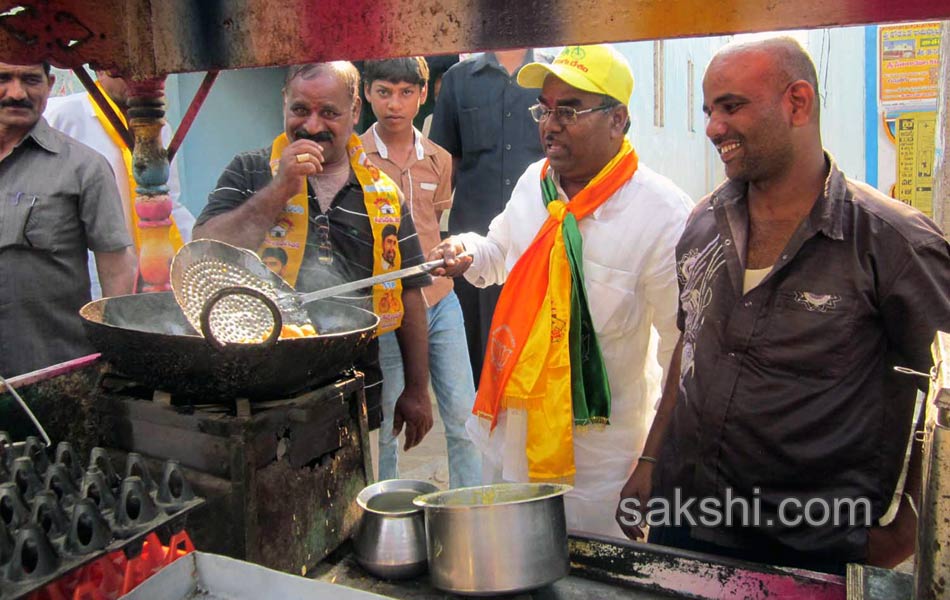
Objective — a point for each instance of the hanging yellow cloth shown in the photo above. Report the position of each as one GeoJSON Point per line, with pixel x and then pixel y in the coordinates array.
{"type": "Point", "coordinates": [544, 372]}
{"type": "Point", "coordinates": [381, 199]}
{"type": "Point", "coordinates": [174, 235]}
{"type": "Point", "coordinates": [289, 232]}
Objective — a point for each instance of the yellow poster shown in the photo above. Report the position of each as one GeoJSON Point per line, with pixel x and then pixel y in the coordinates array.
{"type": "Point", "coordinates": [915, 160]}
{"type": "Point", "coordinates": [910, 61]}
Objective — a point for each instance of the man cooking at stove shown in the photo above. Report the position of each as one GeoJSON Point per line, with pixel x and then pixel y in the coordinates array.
{"type": "Point", "coordinates": [585, 250]}
{"type": "Point", "coordinates": [800, 291]}
{"type": "Point", "coordinates": [314, 194]}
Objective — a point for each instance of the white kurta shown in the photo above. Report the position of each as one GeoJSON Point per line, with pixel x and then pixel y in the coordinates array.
{"type": "Point", "coordinates": [630, 277]}
{"type": "Point", "coordinates": [74, 116]}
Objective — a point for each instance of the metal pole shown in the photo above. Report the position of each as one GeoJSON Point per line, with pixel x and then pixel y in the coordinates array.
{"type": "Point", "coordinates": [932, 561]}
{"type": "Point", "coordinates": [186, 122]}
{"type": "Point", "coordinates": [941, 194]}
{"type": "Point", "coordinates": [150, 168]}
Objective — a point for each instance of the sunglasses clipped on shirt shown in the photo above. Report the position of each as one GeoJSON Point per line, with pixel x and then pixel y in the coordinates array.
{"type": "Point", "coordinates": [565, 115]}
{"type": "Point", "coordinates": [323, 243]}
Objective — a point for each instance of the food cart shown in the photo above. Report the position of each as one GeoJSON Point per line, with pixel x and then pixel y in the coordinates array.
{"type": "Point", "coordinates": [145, 40]}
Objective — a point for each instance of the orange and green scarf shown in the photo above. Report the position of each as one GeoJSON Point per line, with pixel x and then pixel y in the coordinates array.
{"type": "Point", "coordinates": [543, 356]}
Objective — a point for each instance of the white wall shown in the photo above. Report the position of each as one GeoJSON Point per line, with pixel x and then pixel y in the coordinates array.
{"type": "Point", "coordinates": [886, 161]}
{"type": "Point", "coordinates": [673, 150]}
{"type": "Point", "coordinates": [839, 59]}
{"type": "Point", "coordinates": [242, 112]}
{"type": "Point", "coordinates": [687, 157]}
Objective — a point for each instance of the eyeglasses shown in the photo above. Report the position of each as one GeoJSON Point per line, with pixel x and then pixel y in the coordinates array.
{"type": "Point", "coordinates": [566, 115]}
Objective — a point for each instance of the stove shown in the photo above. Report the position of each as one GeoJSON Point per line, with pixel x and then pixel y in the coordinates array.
{"type": "Point", "coordinates": [280, 477]}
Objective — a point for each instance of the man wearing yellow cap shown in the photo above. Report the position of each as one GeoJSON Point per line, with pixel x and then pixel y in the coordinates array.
{"type": "Point", "coordinates": [585, 248]}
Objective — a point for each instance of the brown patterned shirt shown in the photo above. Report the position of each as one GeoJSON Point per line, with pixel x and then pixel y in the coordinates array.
{"type": "Point", "coordinates": [426, 185]}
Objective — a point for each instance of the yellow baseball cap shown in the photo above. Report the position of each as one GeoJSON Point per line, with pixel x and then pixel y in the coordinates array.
{"type": "Point", "coordinates": [599, 69]}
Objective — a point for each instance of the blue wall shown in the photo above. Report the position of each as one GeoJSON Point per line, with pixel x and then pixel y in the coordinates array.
{"type": "Point", "coordinates": [242, 112]}
{"type": "Point", "coordinates": [673, 149]}
{"type": "Point", "coordinates": [870, 106]}
{"type": "Point", "coordinates": [839, 59]}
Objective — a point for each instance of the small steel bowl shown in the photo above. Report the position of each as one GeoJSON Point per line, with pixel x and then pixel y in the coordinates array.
{"type": "Point", "coordinates": [391, 541]}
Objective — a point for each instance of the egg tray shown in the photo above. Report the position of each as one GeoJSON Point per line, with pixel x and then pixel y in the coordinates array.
{"type": "Point", "coordinates": [56, 517]}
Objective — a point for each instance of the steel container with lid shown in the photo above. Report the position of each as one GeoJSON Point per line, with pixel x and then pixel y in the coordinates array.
{"type": "Point", "coordinates": [496, 539]}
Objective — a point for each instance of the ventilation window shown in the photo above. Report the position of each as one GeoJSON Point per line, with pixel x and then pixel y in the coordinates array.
{"type": "Point", "coordinates": [659, 75]}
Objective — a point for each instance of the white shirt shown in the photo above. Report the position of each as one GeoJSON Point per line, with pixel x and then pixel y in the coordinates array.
{"type": "Point", "coordinates": [384, 150]}
{"type": "Point", "coordinates": [630, 277]}
{"type": "Point", "coordinates": [75, 116]}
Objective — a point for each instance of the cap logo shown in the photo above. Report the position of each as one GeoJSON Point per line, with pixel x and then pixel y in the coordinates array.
{"type": "Point", "coordinates": [571, 63]}
{"type": "Point", "coordinates": [572, 57]}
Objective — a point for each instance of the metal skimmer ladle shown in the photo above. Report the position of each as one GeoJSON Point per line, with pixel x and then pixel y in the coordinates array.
{"type": "Point", "coordinates": [231, 297]}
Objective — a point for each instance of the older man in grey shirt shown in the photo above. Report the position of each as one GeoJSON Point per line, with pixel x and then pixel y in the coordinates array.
{"type": "Point", "coordinates": [57, 198]}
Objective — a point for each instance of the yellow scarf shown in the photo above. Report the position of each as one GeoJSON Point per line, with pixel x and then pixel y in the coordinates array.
{"type": "Point", "coordinates": [381, 199]}
{"type": "Point", "coordinates": [174, 235]}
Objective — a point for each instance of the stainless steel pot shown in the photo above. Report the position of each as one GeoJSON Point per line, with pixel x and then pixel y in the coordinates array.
{"type": "Point", "coordinates": [391, 539]}
{"type": "Point", "coordinates": [496, 539]}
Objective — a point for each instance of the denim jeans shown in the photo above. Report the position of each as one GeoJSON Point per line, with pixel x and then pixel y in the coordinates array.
{"type": "Point", "coordinates": [454, 392]}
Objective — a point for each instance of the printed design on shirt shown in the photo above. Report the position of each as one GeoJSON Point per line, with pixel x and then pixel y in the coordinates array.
{"type": "Point", "coordinates": [281, 228]}
{"type": "Point", "coordinates": [384, 206]}
{"type": "Point", "coordinates": [501, 346]}
{"type": "Point", "coordinates": [696, 271]}
{"type": "Point", "coordinates": [820, 303]}
{"type": "Point", "coordinates": [380, 187]}
{"type": "Point", "coordinates": [558, 328]}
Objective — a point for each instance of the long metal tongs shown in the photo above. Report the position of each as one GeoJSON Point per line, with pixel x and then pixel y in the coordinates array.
{"type": "Point", "coordinates": [290, 302]}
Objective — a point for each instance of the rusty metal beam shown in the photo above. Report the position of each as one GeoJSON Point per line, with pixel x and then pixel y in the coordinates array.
{"type": "Point", "coordinates": [67, 34]}
{"type": "Point", "coordinates": [192, 113]}
{"type": "Point", "coordinates": [99, 98]}
{"type": "Point", "coordinates": [148, 38]}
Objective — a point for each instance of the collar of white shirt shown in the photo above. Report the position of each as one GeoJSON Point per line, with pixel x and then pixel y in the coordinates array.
{"type": "Point", "coordinates": [384, 151]}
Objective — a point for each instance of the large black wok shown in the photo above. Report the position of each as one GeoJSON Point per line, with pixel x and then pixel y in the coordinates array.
{"type": "Point", "coordinates": [147, 337]}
